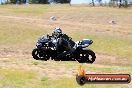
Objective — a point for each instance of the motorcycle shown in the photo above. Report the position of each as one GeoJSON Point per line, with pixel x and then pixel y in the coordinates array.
{"type": "Point", "coordinates": [80, 52]}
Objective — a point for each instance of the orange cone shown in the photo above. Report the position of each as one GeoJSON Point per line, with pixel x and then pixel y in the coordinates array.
{"type": "Point", "coordinates": [81, 71]}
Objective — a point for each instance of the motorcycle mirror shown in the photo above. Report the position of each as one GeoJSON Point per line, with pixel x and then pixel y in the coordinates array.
{"type": "Point", "coordinates": [70, 38]}
{"type": "Point", "coordinates": [80, 42]}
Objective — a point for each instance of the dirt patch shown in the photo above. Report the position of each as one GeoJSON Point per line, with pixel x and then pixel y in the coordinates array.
{"type": "Point", "coordinates": [48, 69]}
{"type": "Point", "coordinates": [100, 58]}
{"type": "Point", "coordinates": [112, 60]}
{"type": "Point", "coordinates": [11, 53]}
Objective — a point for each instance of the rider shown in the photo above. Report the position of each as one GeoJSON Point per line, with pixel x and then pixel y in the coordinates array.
{"type": "Point", "coordinates": [57, 32]}
{"type": "Point", "coordinates": [64, 42]}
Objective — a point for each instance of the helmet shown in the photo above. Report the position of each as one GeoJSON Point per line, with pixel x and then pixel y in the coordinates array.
{"type": "Point", "coordinates": [57, 31]}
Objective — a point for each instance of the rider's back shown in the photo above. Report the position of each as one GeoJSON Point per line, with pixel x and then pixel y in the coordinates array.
{"type": "Point", "coordinates": [65, 43]}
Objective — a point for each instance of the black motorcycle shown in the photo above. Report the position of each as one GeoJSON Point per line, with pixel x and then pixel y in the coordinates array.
{"type": "Point", "coordinates": [80, 53]}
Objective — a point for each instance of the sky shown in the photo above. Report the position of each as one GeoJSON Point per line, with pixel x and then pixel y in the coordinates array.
{"type": "Point", "coordinates": [80, 1]}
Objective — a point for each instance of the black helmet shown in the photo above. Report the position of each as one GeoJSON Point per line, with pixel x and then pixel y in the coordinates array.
{"type": "Point", "coordinates": [57, 31]}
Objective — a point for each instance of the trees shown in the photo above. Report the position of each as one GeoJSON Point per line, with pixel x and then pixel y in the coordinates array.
{"type": "Point", "coordinates": [93, 3]}
{"type": "Point", "coordinates": [43, 1]}
{"type": "Point", "coordinates": [123, 3]}
{"type": "Point", "coordinates": [62, 1]}
{"type": "Point", "coordinates": [119, 3]}
{"type": "Point", "coordinates": [100, 2]}
{"type": "Point", "coordinates": [31, 1]}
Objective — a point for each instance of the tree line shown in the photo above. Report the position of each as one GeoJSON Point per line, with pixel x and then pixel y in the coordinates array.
{"type": "Point", "coordinates": [114, 3]}
{"type": "Point", "coordinates": [39, 1]}
{"type": "Point", "coordinates": [119, 3]}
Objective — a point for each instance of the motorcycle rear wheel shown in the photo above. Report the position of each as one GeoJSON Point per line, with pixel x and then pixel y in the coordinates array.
{"type": "Point", "coordinates": [86, 56]}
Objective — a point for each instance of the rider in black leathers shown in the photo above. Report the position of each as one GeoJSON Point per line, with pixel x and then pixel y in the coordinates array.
{"type": "Point", "coordinates": [64, 45]}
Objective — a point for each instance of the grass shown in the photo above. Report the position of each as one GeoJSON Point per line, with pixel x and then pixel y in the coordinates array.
{"type": "Point", "coordinates": [108, 69]}
{"type": "Point", "coordinates": [72, 83]}
{"type": "Point", "coordinates": [19, 36]}
{"type": "Point", "coordinates": [35, 63]}
{"type": "Point", "coordinates": [21, 25]}
{"type": "Point", "coordinates": [23, 78]}
{"type": "Point", "coordinates": [25, 9]}
{"type": "Point", "coordinates": [25, 37]}
{"type": "Point", "coordinates": [96, 67]}
{"type": "Point", "coordinates": [15, 78]}
{"type": "Point", "coordinates": [57, 65]}
{"type": "Point", "coordinates": [110, 45]}
{"type": "Point", "coordinates": [21, 33]}
{"type": "Point", "coordinates": [39, 10]}
{"type": "Point", "coordinates": [119, 47]}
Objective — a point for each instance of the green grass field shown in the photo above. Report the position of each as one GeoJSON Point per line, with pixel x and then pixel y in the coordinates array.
{"type": "Point", "coordinates": [36, 74]}
{"type": "Point", "coordinates": [22, 25]}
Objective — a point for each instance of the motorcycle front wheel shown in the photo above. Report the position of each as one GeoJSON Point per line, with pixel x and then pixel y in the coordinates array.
{"type": "Point", "coordinates": [40, 55]}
